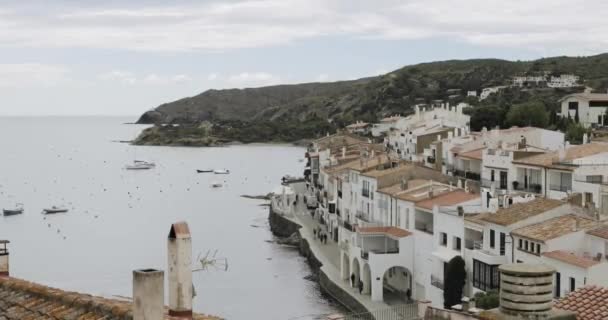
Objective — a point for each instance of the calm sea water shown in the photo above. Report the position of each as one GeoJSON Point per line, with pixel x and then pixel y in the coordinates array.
{"type": "Point", "coordinates": [119, 220]}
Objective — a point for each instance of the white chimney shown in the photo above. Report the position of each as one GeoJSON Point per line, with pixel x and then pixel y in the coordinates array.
{"type": "Point", "coordinates": [148, 294]}
{"type": "Point", "coordinates": [4, 267]}
{"type": "Point", "coordinates": [180, 270]}
{"type": "Point", "coordinates": [343, 152]}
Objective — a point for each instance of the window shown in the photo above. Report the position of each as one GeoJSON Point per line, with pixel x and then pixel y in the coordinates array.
{"type": "Point", "coordinates": [443, 239]}
{"type": "Point", "coordinates": [456, 243]}
{"type": "Point", "coordinates": [520, 243]}
{"type": "Point", "coordinates": [538, 248]}
{"type": "Point", "coordinates": [503, 180]}
{"type": "Point", "coordinates": [502, 244]}
{"type": "Point", "coordinates": [572, 284]}
{"type": "Point", "coordinates": [485, 276]}
{"type": "Point", "coordinates": [573, 105]}
{"type": "Point", "coordinates": [519, 261]}
{"type": "Point", "coordinates": [526, 245]}
{"type": "Point", "coordinates": [558, 284]}
{"type": "Point", "coordinates": [492, 238]}
{"type": "Point", "coordinates": [491, 175]}
{"type": "Point", "coordinates": [365, 189]}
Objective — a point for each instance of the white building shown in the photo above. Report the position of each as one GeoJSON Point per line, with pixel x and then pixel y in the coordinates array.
{"type": "Point", "coordinates": [564, 243]}
{"type": "Point", "coordinates": [486, 92]}
{"type": "Point", "coordinates": [385, 125]}
{"type": "Point", "coordinates": [359, 127]}
{"type": "Point", "coordinates": [591, 108]}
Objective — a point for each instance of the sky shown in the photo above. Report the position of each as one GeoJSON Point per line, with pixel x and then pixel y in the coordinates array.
{"type": "Point", "coordinates": [88, 57]}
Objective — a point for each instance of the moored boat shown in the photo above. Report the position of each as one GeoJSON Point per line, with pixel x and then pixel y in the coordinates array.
{"type": "Point", "coordinates": [216, 184]}
{"type": "Point", "coordinates": [54, 209]}
{"type": "Point", "coordinates": [221, 171]}
{"type": "Point", "coordinates": [10, 212]}
{"type": "Point", "coordinates": [204, 171]}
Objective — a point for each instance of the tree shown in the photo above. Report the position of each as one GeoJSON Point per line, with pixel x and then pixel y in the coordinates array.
{"type": "Point", "coordinates": [576, 118]}
{"type": "Point", "coordinates": [528, 114]}
{"type": "Point", "coordinates": [487, 300]}
{"type": "Point", "coordinates": [575, 132]}
{"type": "Point", "coordinates": [486, 116]}
{"type": "Point", "coordinates": [455, 276]}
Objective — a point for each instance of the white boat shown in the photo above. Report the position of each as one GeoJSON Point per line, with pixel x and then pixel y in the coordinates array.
{"type": "Point", "coordinates": [216, 184]}
{"type": "Point", "coordinates": [221, 171]}
{"type": "Point", "coordinates": [145, 163]}
{"type": "Point", "coordinates": [54, 209]}
{"type": "Point", "coordinates": [138, 166]}
{"type": "Point", "coordinates": [17, 210]}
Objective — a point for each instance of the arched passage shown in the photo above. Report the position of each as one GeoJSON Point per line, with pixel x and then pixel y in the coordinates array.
{"type": "Point", "coordinates": [366, 277]}
{"type": "Point", "coordinates": [345, 267]}
{"type": "Point", "coordinates": [356, 270]}
{"type": "Point", "coordinates": [397, 285]}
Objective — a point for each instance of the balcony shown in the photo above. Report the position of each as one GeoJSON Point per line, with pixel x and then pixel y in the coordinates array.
{"type": "Point", "coordinates": [488, 183]}
{"type": "Point", "coordinates": [562, 188]}
{"type": "Point", "coordinates": [348, 226]}
{"type": "Point", "coordinates": [437, 282]}
{"type": "Point", "coordinates": [489, 257]}
{"type": "Point", "coordinates": [467, 174]}
{"type": "Point", "coordinates": [532, 187]}
{"type": "Point", "coordinates": [430, 160]}
{"type": "Point", "coordinates": [364, 255]}
{"type": "Point", "coordinates": [473, 244]}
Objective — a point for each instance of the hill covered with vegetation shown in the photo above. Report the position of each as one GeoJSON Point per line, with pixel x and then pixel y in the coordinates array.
{"type": "Point", "coordinates": [293, 112]}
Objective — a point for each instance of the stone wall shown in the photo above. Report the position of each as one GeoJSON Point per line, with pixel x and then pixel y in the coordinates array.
{"type": "Point", "coordinates": [281, 226]}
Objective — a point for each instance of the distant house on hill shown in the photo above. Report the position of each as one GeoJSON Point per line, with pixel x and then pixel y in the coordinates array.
{"type": "Point", "coordinates": [591, 108]}
{"type": "Point", "coordinates": [358, 127]}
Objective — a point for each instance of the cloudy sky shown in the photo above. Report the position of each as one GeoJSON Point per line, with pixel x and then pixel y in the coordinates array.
{"type": "Point", "coordinates": [87, 57]}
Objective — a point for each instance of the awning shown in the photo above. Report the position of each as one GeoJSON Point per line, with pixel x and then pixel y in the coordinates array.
{"type": "Point", "coordinates": [445, 255]}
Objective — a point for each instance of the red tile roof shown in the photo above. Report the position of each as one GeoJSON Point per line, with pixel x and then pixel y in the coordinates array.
{"type": "Point", "coordinates": [571, 258]}
{"type": "Point", "coordinates": [391, 231]}
{"type": "Point", "coordinates": [601, 232]}
{"type": "Point", "coordinates": [474, 154]}
{"type": "Point", "coordinates": [447, 199]}
{"type": "Point", "coordinates": [589, 303]}
{"type": "Point", "coordinates": [20, 299]}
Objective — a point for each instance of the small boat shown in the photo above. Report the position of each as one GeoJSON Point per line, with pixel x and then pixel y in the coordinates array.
{"type": "Point", "coordinates": [138, 167]}
{"type": "Point", "coordinates": [145, 163]}
{"type": "Point", "coordinates": [10, 212]}
{"type": "Point", "coordinates": [54, 209]}
{"type": "Point", "coordinates": [221, 171]}
{"type": "Point", "coordinates": [216, 184]}
{"type": "Point", "coordinates": [204, 171]}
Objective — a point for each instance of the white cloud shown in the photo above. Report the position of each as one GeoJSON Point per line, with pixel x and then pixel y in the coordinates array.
{"type": "Point", "coordinates": [567, 25]}
{"type": "Point", "coordinates": [212, 76]}
{"type": "Point", "coordinates": [254, 79]}
{"type": "Point", "coordinates": [129, 78]}
{"type": "Point", "coordinates": [118, 76]}
{"type": "Point", "coordinates": [32, 75]}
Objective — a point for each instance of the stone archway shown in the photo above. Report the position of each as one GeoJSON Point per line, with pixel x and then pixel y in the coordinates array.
{"type": "Point", "coordinates": [396, 283]}
{"type": "Point", "coordinates": [356, 270]}
{"type": "Point", "coordinates": [345, 267]}
{"type": "Point", "coordinates": [366, 277]}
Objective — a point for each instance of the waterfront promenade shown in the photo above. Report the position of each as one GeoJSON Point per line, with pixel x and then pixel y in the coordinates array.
{"type": "Point", "coordinates": [328, 254]}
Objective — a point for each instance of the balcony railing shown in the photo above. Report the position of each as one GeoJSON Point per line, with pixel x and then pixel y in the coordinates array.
{"type": "Point", "coordinates": [436, 282]}
{"type": "Point", "coordinates": [365, 193]}
{"type": "Point", "coordinates": [362, 216]}
{"type": "Point", "coordinates": [467, 174]}
{"type": "Point", "coordinates": [561, 188]}
{"type": "Point", "coordinates": [591, 179]}
{"type": "Point", "coordinates": [532, 187]}
{"type": "Point", "coordinates": [348, 226]}
{"type": "Point", "coordinates": [473, 244]}
{"type": "Point", "coordinates": [487, 183]}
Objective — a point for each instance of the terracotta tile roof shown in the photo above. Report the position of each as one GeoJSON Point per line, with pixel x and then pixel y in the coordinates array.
{"type": "Point", "coordinates": [422, 193]}
{"type": "Point", "coordinates": [20, 299]}
{"type": "Point", "coordinates": [570, 258]}
{"type": "Point", "coordinates": [375, 173]}
{"type": "Point", "coordinates": [601, 232]}
{"type": "Point", "coordinates": [357, 125]}
{"type": "Point", "coordinates": [522, 211]}
{"type": "Point", "coordinates": [396, 188]}
{"type": "Point", "coordinates": [474, 154]}
{"type": "Point", "coordinates": [360, 166]}
{"type": "Point", "coordinates": [589, 303]}
{"type": "Point", "coordinates": [551, 159]}
{"type": "Point", "coordinates": [554, 228]}
{"type": "Point", "coordinates": [447, 199]}
{"type": "Point", "coordinates": [390, 231]}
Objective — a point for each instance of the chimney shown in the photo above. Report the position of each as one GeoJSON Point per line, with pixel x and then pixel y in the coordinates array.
{"type": "Point", "coordinates": [180, 272]}
{"type": "Point", "coordinates": [4, 259]}
{"type": "Point", "coordinates": [148, 294]}
{"type": "Point", "coordinates": [343, 152]}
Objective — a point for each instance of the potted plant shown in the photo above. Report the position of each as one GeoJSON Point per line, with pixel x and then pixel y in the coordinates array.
{"type": "Point", "coordinates": [515, 185]}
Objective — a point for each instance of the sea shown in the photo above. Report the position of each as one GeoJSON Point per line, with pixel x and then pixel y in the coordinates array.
{"type": "Point", "coordinates": [118, 220]}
